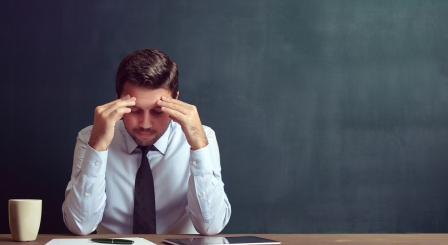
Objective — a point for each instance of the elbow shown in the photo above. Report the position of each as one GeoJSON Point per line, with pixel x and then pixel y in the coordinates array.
{"type": "Point", "coordinates": [210, 231]}
{"type": "Point", "coordinates": [212, 227]}
{"type": "Point", "coordinates": [78, 231]}
{"type": "Point", "coordinates": [76, 228]}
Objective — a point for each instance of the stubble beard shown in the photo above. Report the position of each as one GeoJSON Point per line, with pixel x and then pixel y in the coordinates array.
{"type": "Point", "coordinates": [146, 142]}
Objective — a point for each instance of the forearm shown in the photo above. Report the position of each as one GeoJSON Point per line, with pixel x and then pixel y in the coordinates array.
{"type": "Point", "coordinates": [209, 207]}
{"type": "Point", "coordinates": [208, 204]}
{"type": "Point", "coordinates": [85, 196]}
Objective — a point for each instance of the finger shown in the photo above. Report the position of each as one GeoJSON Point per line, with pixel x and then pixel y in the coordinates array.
{"type": "Point", "coordinates": [119, 104]}
{"type": "Point", "coordinates": [119, 113]}
{"type": "Point", "coordinates": [182, 108]}
{"type": "Point", "coordinates": [174, 101]}
{"type": "Point", "coordinates": [104, 107]}
{"type": "Point", "coordinates": [125, 101]}
{"type": "Point", "coordinates": [126, 97]}
{"type": "Point", "coordinates": [174, 114]}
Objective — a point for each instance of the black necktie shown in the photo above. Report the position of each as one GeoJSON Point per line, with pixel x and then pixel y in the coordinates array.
{"type": "Point", "coordinates": [144, 198]}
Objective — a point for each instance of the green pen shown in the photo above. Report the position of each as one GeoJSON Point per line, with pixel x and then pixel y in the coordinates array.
{"type": "Point", "coordinates": [112, 241]}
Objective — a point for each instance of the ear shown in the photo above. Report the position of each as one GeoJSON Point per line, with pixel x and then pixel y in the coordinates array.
{"type": "Point", "coordinates": [177, 95]}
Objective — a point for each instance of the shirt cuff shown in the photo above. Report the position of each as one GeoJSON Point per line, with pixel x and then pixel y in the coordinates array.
{"type": "Point", "coordinates": [201, 161]}
{"type": "Point", "coordinates": [94, 163]}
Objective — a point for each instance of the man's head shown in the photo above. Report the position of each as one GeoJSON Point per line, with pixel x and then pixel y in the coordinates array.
{"type": "Point", "coordinates": [147, 68]}
{"type": "Point", "coordinates": [146, 75]}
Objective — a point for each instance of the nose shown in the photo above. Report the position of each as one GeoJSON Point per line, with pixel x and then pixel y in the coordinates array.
{"type": "Point", "coordinates": [145, 120]}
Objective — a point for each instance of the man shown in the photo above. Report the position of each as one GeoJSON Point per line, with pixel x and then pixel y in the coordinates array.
{"type": "Point", "coordinates": [157, 130]}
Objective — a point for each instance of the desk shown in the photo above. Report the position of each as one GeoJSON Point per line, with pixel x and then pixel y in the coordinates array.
{"type": "Point", "coordinates": [341, 239]}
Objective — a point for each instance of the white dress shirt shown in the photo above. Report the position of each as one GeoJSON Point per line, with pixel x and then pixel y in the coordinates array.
{"type": "Point", "coordinates": [189, 191]}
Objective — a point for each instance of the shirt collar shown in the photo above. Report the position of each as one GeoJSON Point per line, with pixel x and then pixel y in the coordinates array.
{"type": "Point", "coordinates": [161, 144]}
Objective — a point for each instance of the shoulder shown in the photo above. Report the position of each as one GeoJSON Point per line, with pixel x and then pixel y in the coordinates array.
{"type": "Point", "coordinates": [87, 129]}
{"type": "Point", "coordinates": [209, 132]}
{"type": "Point", "coordinates": [85, 133]}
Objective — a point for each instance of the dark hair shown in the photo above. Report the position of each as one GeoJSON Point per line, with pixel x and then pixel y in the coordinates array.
{"type": "Point", "coordinates": [148, 68]}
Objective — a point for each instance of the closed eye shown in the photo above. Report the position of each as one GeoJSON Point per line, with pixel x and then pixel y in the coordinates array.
{"type": "Point", "coordinates": [136, 110]}
{"type": "Point", "coordinates": [156, 111]}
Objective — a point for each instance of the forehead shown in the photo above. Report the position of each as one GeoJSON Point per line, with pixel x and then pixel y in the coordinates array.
{"type": "Point", "coordinates": [144, 96]}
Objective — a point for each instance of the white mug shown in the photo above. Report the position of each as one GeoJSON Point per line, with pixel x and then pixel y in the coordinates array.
{"type": "Point", "coordinates": [24, 218]}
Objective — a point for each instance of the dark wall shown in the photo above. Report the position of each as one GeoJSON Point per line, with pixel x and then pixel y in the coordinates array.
{"type": "Point", "coordinates": [332, 116]}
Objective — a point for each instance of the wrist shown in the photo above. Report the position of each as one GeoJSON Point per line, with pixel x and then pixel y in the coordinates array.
{"type": "Point", "coordinates": [199, 145]}
{"type": "Point", "coordinates": [97, 145]}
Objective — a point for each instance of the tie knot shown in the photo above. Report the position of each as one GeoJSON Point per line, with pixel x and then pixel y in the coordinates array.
{"type": "Point", "coordinates": [146, 149]}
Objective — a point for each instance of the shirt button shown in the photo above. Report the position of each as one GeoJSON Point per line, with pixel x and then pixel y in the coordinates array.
{"type": "Point", "coordinates": [97, 163]}
{"type": "Point", "coordinates": [194, 163]}
{"type": "Point", "coordinates": [87, 194]}
{"type": "Point", "coordinates": [201, 194]}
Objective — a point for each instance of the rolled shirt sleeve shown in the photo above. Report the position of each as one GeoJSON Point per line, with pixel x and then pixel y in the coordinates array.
{"type": "Point", "coordinates": [208, 204]}
{"type": "Point", "coordinates": [85, 196]}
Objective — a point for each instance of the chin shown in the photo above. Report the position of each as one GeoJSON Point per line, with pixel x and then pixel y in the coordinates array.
{"type": "Point", "coordinates": [146, 142]}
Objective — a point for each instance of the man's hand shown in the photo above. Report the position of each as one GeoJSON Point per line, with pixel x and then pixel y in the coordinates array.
{"type": "Point", "coordinates": [104, 121]}
{"type": "Point", "coordinates": [188, 118]}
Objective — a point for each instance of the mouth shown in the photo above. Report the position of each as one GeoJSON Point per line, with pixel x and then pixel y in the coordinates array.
{"type": "Point", "coordinates": [145, 134]}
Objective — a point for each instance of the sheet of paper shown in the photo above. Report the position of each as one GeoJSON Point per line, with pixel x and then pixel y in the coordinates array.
{"type": "Point", "coordinates": [80, 241]}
